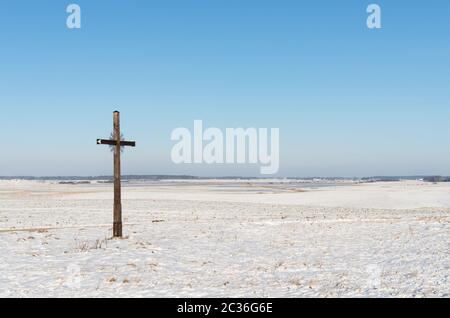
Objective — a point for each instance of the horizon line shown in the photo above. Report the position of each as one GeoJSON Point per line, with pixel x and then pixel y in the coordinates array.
{"type": "Point", "coordinates": [169, 176]}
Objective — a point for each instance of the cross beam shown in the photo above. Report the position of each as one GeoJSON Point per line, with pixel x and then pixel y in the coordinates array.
{"type": "Point", "coordinates": [117, 143]}
{"type": "Point", "coordinates": [114, 142]}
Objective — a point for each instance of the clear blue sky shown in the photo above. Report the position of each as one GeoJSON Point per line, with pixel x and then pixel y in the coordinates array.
{"type": "Point", "coordinates": [349, 101]}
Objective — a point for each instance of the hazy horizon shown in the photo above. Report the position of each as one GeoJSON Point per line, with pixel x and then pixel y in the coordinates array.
{"type": "Point", "coordinates": [169, 176]}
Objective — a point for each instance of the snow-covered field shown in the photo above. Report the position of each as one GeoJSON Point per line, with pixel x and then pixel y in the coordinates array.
{"type": "Point", "coordinates": [243, 239]}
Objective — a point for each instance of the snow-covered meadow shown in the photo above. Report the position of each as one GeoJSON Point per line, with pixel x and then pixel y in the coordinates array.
{"type": "Point", "coordinates": [225, 239]}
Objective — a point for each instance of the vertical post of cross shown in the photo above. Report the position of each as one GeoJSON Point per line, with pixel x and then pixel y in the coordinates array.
{"type": "Point", "coordinates": [117, 143]}
{"type": "Point", "coordinates": [117, 227]}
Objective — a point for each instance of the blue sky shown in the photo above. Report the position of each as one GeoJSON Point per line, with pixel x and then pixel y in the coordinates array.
{"type": "Point", "coordinates": [349, 101]}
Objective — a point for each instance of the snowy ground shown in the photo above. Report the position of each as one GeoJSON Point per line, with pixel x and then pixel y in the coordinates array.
{"type": "Point", "coordinates": [198, 239]}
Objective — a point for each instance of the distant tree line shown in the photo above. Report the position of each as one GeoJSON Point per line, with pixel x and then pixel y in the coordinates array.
{"type": "Point", "coordinates": [437, 179]}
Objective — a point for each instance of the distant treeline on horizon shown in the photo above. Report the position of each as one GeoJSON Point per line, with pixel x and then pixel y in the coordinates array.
{"type": "Point", "coordinates": [187, 177]}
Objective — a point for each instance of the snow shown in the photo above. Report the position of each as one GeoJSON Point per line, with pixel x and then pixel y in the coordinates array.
{"type": "Point", "coordinates": [210, 239]}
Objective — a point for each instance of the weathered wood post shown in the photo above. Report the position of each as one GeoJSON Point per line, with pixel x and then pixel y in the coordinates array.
{"type": "Point", "coordinates": [117, 145]}
{"type": "Point", "coordinates": [117, 227]}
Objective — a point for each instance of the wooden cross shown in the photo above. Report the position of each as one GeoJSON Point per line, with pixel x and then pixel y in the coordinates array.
{"type": "Point", "coordinates": [117, 143]}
